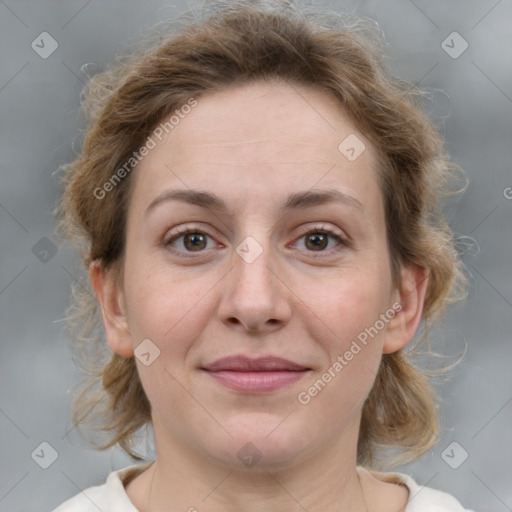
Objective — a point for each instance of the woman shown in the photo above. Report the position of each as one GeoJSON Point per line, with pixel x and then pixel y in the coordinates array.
{"type": "Point", "coordinates": [258, 201]}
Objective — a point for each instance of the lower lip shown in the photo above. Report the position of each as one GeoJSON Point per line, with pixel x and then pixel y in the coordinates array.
{"type": "Point", "coordinates": [257, 382]}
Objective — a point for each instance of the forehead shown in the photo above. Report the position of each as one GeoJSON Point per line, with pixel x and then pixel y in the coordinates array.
{"type": "Point", "coordinates": [263, 139]}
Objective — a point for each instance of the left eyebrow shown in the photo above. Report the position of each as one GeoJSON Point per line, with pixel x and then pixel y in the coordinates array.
{"type": "Point", "coordinates": [296, 201]}
{"type": "Point", "coordinates": [309, 198]}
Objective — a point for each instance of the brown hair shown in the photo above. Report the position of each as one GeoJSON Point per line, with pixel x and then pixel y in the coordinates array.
{"type": "Point", "coordinates": [238, 43]}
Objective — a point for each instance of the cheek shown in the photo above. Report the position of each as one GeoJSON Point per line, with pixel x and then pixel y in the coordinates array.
{"type": "Point", "coordinates": [345, 321]}
{"type": "Point", "coordinates": [164, 307]}
{"type": "Point", "coordinates": [349, 303]}
{"type": "Point", "coordinates": [172, 313]}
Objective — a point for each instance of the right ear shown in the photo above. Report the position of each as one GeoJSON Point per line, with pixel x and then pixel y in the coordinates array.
{"type": "Point", "coordinates": [113, 308]}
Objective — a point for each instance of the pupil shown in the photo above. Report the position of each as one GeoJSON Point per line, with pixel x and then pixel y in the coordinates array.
{"type": "Point", "coordinates": [318, 240]}
{"type": "Point", "coordinates": [195, 241]}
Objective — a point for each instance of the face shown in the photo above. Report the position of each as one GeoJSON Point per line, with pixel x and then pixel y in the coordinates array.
{"type": "Point", "coordinates": [257, 265]}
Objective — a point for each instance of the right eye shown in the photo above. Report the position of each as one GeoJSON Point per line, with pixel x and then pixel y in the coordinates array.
{"type": "Point", "coordinates": [189, 241]}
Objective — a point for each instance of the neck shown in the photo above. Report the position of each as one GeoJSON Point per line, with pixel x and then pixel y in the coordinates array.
{"type": "Point", "coordinates": [183, 480]}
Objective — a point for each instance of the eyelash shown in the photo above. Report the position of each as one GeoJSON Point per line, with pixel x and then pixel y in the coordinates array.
{"type": "Point", "coordinates": [343, 243]}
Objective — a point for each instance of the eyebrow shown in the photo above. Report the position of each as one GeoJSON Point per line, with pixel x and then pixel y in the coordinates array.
{"type": "Point", "coordinates": [296, 201]}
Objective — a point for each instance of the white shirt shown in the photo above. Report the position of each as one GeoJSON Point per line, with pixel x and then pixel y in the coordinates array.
{"type": "Point", "coordinates": [112, 497]}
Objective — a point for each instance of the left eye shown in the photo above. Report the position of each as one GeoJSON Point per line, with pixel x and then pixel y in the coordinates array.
{"type": "Point", "coordinates": [319, 241]}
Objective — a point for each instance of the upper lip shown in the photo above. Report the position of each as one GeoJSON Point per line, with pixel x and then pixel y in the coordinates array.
{"type": "Point", "coordinates": [246, 364]}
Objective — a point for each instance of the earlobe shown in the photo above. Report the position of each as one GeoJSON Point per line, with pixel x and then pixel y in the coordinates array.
{"type": "Point", "coordinates": [113, 309]}
{"type": "Point", "coordinates": [406, 321]}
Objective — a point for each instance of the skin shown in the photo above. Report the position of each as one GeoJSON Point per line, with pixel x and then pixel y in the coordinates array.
{"type": "Point", "coordinates": [253, 146]}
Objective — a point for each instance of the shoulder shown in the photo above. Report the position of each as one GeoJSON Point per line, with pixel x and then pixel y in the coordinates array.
{"type": "Point", "coordinates": [422, 498]}
{"type": "Point", "coordinates": [109, 497]}
{"type": "Point", "coordinates": [89, 500]}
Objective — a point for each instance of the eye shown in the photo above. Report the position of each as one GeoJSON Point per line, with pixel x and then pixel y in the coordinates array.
{"type": "Point", "coordinates": [321, 240]}
{"type": "Point", "coordinates": [189, 240]}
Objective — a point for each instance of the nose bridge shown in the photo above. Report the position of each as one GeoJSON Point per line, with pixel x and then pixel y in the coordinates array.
{"type": "Point", "coordinates": [252, 267]}
{"type": "Point", "coordinates": [254, 297]}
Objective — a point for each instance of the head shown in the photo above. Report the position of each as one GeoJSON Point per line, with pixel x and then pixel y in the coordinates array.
{"type": "Point", "coordinates": [258, 185]}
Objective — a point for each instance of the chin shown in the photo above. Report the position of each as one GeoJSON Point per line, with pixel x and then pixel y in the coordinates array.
{"type": "Point", "coordinates": [261, 442]}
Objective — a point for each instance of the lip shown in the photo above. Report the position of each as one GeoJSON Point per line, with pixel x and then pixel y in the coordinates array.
{"type": "Point", "coordinates": [262, 375]}
{"type": "Point", "coordinates": [246, 364]}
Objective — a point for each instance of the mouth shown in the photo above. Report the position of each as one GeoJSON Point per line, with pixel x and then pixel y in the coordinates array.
{"type": "Point", "coordinates": [262, 375]}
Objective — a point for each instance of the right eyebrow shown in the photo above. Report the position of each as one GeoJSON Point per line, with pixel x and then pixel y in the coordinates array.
{"type": "Point", "coordinates": [196, 197]}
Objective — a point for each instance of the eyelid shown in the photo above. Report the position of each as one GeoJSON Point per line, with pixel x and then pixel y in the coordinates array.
{"type": "Point", "coordinates": [323, 227]}
{"type": "Point", "coordinates": [184, 230]}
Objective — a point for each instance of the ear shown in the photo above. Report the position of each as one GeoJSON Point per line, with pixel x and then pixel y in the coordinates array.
{"type": "Point", "coordinates": [111, 299]}
{"type": "Point", "coordinates": [411, 298]}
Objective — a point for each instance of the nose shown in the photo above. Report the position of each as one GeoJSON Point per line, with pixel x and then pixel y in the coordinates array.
{"type": "Point", "coordinates": [255, 298]}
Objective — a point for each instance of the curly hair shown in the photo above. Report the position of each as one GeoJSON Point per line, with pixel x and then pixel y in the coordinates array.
{"type": "Point", "coordinates": [236, 43]}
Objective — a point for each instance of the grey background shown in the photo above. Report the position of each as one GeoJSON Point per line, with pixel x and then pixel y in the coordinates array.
{"type": "Point", "coordinates": [471, 101]}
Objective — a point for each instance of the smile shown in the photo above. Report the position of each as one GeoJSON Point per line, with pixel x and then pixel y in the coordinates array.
{"type": "Point", "coordinates": [261, 375]}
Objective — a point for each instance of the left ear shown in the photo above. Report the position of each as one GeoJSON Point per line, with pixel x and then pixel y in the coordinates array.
{"type": "Point", "coordinates": [402, 327]}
